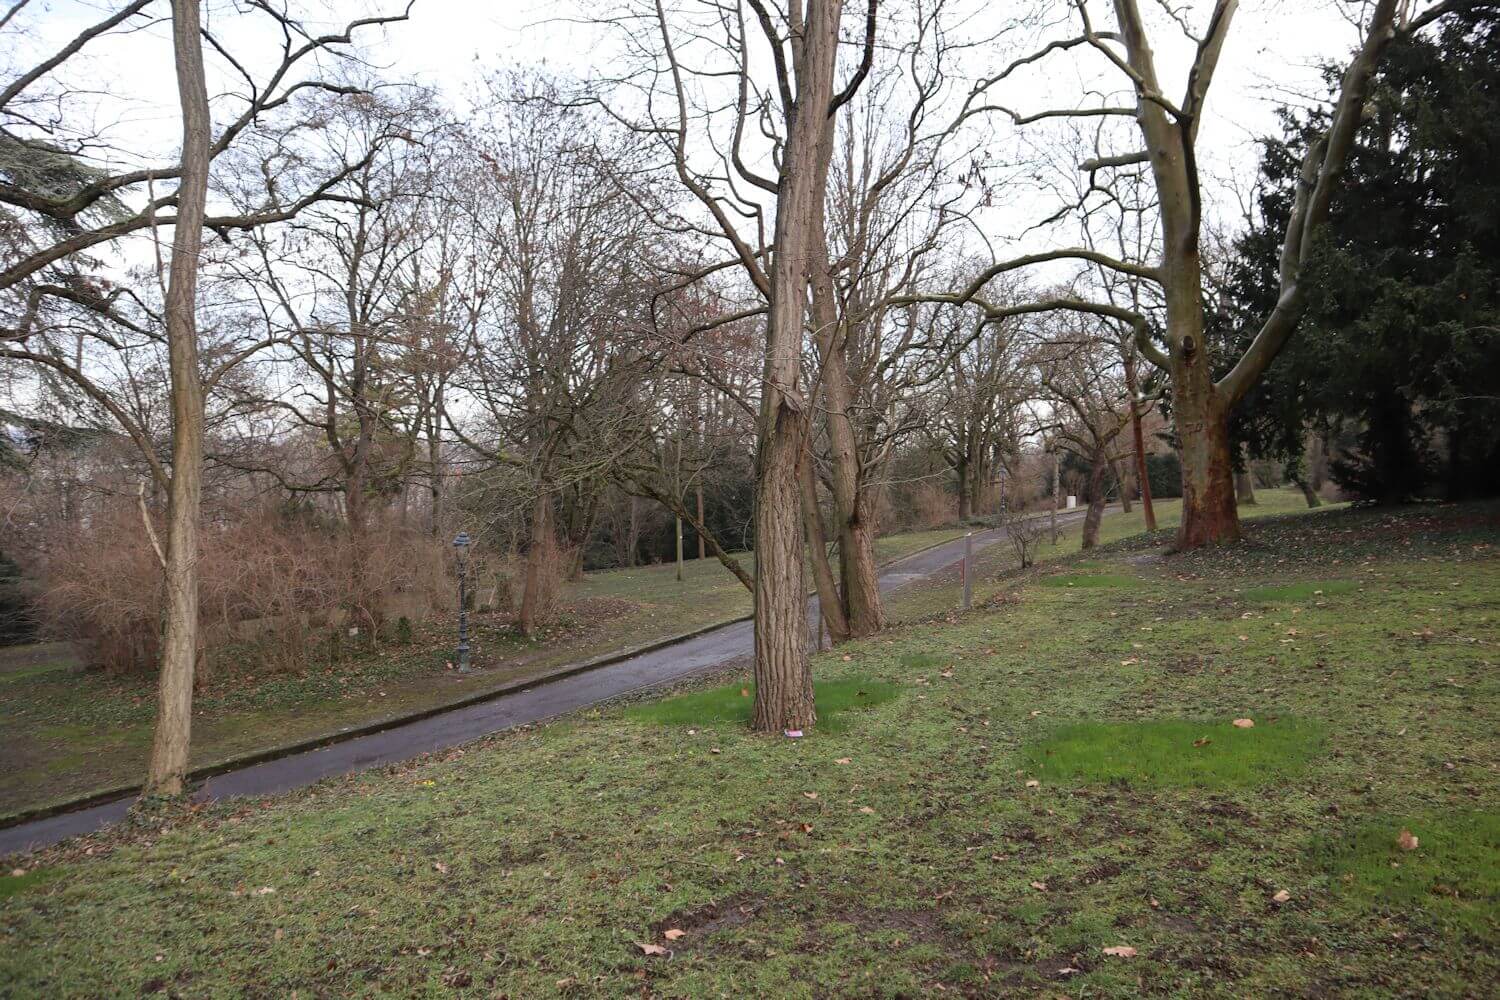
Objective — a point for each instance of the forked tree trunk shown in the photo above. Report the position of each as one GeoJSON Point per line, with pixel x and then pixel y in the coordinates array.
{"type": "Point", "coordinates": [1200, 407]}
{"type": "Point", "coordinates": [783, 688]}
{"type": "Point", "coordinates": [1209, 514]}
{"type": "Point", "coordinates": [169, 748]}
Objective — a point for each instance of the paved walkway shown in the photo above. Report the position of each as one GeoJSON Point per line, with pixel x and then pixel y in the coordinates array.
{"type": "Point", "coordinates": [543, 701]}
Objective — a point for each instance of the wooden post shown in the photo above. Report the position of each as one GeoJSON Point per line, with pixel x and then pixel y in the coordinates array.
{"type": "Point", "coordinates": [968, 570]}
{"type": "Point", "coordinates": [679, 549]}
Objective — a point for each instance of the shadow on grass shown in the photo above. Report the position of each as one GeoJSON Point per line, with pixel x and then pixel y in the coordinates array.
{"type": "Point", "coordinates": [1453, 873]}
{"type": "Point", "coordinates": [1305, 591]}
{"type": "Point", "coordinates": [1175, 752]}
{"type": "Point", "coordinates": [732, 704]}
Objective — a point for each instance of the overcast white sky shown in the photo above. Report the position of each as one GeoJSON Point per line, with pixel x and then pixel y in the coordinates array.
{"type": "Point", "coordinates": [1272, 52]}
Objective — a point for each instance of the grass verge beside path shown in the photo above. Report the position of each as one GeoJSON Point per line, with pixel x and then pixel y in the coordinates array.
{"type": "Point", "coordinates": [69, 734]}
{"type": "Point", "coordinates": [924, 847]}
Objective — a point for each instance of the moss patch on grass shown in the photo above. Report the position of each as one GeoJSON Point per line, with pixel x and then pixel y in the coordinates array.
{"type": "Point", "coordinates": [1175, 752]}
{"type": "Point", "coordinates": [1306, 590]}
{"type": "Point", "coordinates": [1453, 873]}
{"type": "Point", "coordinates": [732, 703]}
{"type": "Point", "coordinates": [12, 885]}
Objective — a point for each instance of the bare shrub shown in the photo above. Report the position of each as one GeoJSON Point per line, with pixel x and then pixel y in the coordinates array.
{"type": "Point", "coordinates": [1024, 534]}
{"type": "Point", "coordinates": [932, 506]}
{"type": "Point", "coordinates": [269, 588]}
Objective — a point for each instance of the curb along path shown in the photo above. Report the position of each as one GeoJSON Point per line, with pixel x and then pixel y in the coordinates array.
{"type": "Point", "coordinates": [506, 708]}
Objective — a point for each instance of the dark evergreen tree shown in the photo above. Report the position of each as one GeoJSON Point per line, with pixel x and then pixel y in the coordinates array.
{"type": "Point", "coordinates": [1401, 341]}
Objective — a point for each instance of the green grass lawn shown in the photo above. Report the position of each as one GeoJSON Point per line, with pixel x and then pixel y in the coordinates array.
{"type": "Point", "coordinates": [69, 734]}
{"type": "Point", "coordinates": [926, 845]}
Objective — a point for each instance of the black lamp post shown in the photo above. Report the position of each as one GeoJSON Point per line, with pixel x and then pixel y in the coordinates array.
{"type": "Point", "coordinates": [461, 546]}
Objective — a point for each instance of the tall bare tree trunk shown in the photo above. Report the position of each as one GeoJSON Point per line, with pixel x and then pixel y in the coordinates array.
{"type": "Point", "coordinates": [1244, 489]}
{"type": "Point", "coordinates": [1097, 469]}
{"type": "Point", "coordinates": [858, 569]}
{"type": "Point", "coordinates": [830, 603]}
{"type": "Point", "coordinates": [174, 717]}
{"type": "Point", "coordinates": [1056, 494]}
{"type": "Point", "coordinates": [1143, 475]}
{"type": "Point", "coordinates": [536, 552]}
{"type": "Point", "coordinates": [702, 543]}
{"type": "Point", "coordinates": [784, 690]}
{"type": "Point", "coordinates": [1122, 479]}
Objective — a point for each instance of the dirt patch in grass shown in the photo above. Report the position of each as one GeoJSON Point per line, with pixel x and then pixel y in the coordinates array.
{"type": "Point", "coordinates": [698, 922]}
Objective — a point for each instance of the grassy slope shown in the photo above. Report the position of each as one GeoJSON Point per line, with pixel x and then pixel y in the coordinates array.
{"type": "Point", "coordinates": [70, 734]}
{"type": "Point", "coordinates": [906, 850]}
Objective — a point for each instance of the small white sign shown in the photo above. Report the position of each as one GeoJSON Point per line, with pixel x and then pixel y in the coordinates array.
{"type": "Point", "coordinates": [1072, 501]}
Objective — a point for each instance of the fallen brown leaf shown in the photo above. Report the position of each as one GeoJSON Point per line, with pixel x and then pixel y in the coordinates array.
{"type": "Point", "coordinates": [672, 934]}
{"type": "Point", "coordinates": [1120, 951]}
{"type": "Point", "coordinates": [651, 949]}
{"type": "Point", "coordinates": [1244, 723]}
{"type": "Point", "coordinates": [1406, 841]}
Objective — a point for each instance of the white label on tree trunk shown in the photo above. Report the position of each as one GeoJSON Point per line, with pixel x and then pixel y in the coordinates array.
{"type": "Point", "coordinates": [1072, 501]}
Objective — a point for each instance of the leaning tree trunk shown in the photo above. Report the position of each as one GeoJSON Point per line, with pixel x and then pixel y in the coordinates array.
{"type": "Point", "coordinates": [1308, 493]}
{"type": "Point", "coordinates": [1122, 479]}
{"type": "Point", "coordinates": [1098, 467]}
{"type": "Point", "coordinates": [783, 676]}
{"type": "Point", "coordinates": [169, 748]}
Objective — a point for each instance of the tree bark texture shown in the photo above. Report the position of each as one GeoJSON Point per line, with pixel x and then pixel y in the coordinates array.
{"type": "Point", "coordinates": [169, 748]}
{"type": "Point", "coordinates": [783, 675]}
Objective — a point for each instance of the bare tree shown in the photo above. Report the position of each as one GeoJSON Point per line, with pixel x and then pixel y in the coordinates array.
{"type": "Point", "coordinates": [698, 45]}
{"type": "Point", "coordinates": [66, 206]}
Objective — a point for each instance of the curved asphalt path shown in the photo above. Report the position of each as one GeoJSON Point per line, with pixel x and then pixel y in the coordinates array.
{"type": "Point", "coordinates": [543, 701]}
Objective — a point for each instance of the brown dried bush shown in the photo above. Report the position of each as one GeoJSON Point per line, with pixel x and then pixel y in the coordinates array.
{"type": "Point", "coordinates": [269, 588]}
